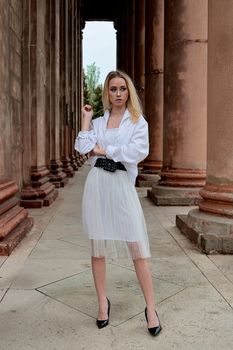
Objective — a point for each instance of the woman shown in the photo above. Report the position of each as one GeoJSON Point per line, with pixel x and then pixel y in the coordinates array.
{"type": "Point", "coordinates": [112, 214]}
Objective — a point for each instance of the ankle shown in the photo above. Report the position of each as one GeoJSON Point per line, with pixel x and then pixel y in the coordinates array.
{"type": "Point", "coordinates": [150, 307]}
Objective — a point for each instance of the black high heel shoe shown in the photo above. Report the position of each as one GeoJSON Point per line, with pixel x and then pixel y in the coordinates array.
{"type": "Point", "coordinates": [104, 323]}
{"type": "Point", "coordinates": [154, 330]}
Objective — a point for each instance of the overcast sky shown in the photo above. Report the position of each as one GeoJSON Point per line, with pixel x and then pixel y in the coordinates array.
{"type": "Point", "coordinates": [99, 46]}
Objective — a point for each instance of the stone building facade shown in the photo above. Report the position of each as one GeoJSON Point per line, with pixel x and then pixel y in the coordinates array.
{"type": "Point", "coordinates": [173, 50]}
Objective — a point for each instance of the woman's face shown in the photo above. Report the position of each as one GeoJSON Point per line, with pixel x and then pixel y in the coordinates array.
{"type": "Point", "coordinates": [118, 92]}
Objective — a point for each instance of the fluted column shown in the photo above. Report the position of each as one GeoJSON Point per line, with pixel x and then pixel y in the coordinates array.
{"type": "Point", "coordinates": [56, 176]}
{"type": "Point", "coordinates": [130, 38]}
{"type": "Point", "coordinates": [119, 41]}
{"type": "Point", "coordinates": [139, 60]}
{"type": "Point", "coordinates": [71, 37]}
{"type": "Point", "coordinates": [185, 104]}
{"type": "Point", "coordinates": [79, 76]}
{"type": "Point", "coordinates": [65, 86]}
{"type": "Point", "coordinates": [211, 227]}
{"type": "Point", "coordinates": [154, 56]}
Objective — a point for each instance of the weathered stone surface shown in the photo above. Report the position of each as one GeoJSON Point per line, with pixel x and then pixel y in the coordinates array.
{"type": "Point", "coordinates": [67, 168]}
{"type": "Point", "coordinates": [181, 223]}
{"type": "Point", "coordinates": [11, 219]}
{"type": "Point", "coordinates": [211, 234]}
{"type": "Point", "coordinates": [146, 180]}
{"type": "Point", "coordinates": [7, 190]}
{"type": "Point", "coordinates": [8, 243]}
{"type": "Point", "coordinates": [210, 243]}
{"type": "Point", "coordinates": [57, 175]}
{"type": "Point", "coordinates": [165, 195]}
{"type": "Point", "coordinates": [41, 192]}
{"type": "Point", "coordinates": [50, 198]}
{"type": "Point", "coordinates": [14, 221]}
{"type": "Point", "coordinates": [207, 223]}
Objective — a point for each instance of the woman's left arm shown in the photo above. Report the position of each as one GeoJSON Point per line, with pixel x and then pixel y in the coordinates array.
{"type": "Point", "coordinates": [136, 150]}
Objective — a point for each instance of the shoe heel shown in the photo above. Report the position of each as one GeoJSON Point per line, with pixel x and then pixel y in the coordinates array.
{"type": "Point", "coordinates": [104, 323]}
{"type": "Point", "coordinates": [154, 331]}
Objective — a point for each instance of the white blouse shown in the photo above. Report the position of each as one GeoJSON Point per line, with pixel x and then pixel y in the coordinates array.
{"type": "Point", "coordinates": [131, 144]}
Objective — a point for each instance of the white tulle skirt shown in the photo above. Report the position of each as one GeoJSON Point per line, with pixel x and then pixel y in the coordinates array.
{"type": "Point", "coordinates": [112, 216]}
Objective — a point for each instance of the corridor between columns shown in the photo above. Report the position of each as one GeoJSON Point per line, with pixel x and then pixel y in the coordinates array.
{"type": "Point", "coordinates": [172, 56]}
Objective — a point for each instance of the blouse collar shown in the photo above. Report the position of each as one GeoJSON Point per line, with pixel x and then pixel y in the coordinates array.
{"type": "Point", "coordinates": [126, 115]}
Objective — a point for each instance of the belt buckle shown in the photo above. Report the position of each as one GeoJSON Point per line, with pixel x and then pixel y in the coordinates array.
{"type": "Point", "coordinates": [110, 165]}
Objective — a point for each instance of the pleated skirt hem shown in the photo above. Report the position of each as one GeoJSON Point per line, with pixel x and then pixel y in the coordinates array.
{"type": "Point", "coordinates": [112, 216]}
{"type": "Point", "coordinates": [119, 249]}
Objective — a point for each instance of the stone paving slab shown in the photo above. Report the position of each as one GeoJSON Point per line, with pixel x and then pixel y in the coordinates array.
{"type": "Point", "coordinates": [39, 272]}
{"type": "Point", "coordinates": [48, 301]}
{"type": "Point", "coordinates": [123, 289]}
{"type": "Point", "coordinates": [224, 264]}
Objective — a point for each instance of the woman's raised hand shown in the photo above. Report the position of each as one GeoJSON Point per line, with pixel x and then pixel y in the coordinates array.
{"type": "Point", "coordinates": [87, 111]}
{"type": "Point", "coordinates": [87, 114]}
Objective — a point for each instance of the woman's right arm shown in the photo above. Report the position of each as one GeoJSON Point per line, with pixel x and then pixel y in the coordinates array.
{"type": "Point", "coordinates": [86, 139]}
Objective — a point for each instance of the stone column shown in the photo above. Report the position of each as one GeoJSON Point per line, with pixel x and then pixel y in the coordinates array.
{"type": "Point", "coordinates": [119, 42]}
{"type": "Point", "coordinates": [56, 176]}
{"type": "Point", "coordinates": [139, 60]}
{"type": "Point", "coordinates": [73, 162]}
{"type": "Point", "coordinates": [66, 63]}
{"type": "Point", "coordinates": [39, 191]}
{"type": "Point", "coordinates": [79, 77]}
{"type": "Point", "coordinates": [154, 56]}
{"type": "Point", "coordinates": [121, 27]}
{"type": "Point", "coordinates": [130, 39]}
{"type": "Point", "coordinates": [185, 104]}
{"type": "Point", "coordinates": [211, 227]}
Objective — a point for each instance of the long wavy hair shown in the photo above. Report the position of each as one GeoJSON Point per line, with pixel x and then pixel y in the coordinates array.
{"type": "Point", "coordinates": [133, 103]}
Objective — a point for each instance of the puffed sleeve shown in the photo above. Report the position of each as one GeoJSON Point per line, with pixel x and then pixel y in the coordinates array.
{"type": "Point", "coordinates": [85, 141]}
{"type": "Point", "coordinates": [136, 150]}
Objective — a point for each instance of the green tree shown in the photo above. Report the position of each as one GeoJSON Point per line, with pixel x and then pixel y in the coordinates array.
{"type": "Point", "coordinates": [92, 90]}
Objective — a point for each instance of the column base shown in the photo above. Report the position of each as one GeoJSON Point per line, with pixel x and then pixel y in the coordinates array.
{"type": "Point", "coordinates": [73, 163]}
{"type": "Point", "coordinates": [146, 180]}
{"type": "Point", "coordinates": [167, 196]}
{"type": "Point", "coordinates": [58, 182]}
{"type": "Point", "coordinates": [82, 158]}
{"type": "Point", "coordinates": [151, 166]}
{"type": "Point", "coordinates": [14, 220]}
{"type": "Point", "coordinates": [182, 177]}
{"type": "Point", "coordinates": [79, 161]}
{"type": "Point", "coordinates": [210, 233]}
{"type": "Point", "coordinates": [41, 192]}
{"type": "Point", "coordinates": [29, 201]}
{"type": "Point", "coordinates": [8, 243]}
{"type": "Point", "coordinates": [217, 199]}
{"type": "Point", "coordinates": [67, 168]}
{"type": "Point", "coordinates": [57, 176]}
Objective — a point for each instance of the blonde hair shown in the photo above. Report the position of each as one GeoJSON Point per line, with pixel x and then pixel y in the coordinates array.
{"type": "Point", "coordinates": [133, 104]}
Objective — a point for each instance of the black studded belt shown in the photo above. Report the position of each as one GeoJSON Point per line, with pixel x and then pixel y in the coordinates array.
{"type": "Point", "coordinates": [109, 164]}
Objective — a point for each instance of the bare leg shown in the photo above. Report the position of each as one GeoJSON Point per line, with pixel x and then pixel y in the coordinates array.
{"type": "Point", "coordinates": [144, 277]}
{"type": "Point", "coordinates": [99, 273]}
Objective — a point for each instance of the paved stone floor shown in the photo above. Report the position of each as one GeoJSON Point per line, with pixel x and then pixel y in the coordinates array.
{"type": "Point", "coordinates": [48, 301]}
